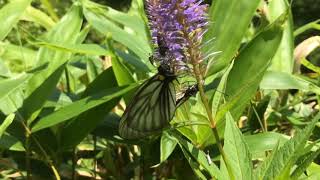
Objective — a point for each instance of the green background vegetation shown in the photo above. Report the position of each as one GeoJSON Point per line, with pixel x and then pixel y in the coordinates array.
{"type": "Point", "coordinates": [68, 69]}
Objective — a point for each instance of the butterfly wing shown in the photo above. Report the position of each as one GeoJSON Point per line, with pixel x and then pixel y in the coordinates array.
{"type": "Point", "coordinates": [150, 110]}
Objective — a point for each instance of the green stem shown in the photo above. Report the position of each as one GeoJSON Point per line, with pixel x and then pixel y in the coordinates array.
{"type": "Point", "coordinates": [311, 25]}
{"type": "Point", "coordinates": [47, 158]}
{"type": "Point", "coordinates": [205, 102]}
{"type": "Point", "coordinates": [262, 124]}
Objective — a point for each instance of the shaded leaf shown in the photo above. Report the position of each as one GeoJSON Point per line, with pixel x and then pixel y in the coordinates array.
{"type": "Point", "coordinates": [167, 145]}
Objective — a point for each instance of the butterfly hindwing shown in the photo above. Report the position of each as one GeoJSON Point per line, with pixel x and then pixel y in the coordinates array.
{"type": "Point", "coordinates": [151, 108]}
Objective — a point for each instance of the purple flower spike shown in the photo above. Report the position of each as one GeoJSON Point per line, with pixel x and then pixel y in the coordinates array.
{"type": "Point", "coordinates": [177, 27]}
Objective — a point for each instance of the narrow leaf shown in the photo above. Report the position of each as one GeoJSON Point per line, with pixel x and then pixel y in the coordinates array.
{"type": "Point", "coordinates": [78, 107]}
{"type": "Point", "coordinates": [6, 123]}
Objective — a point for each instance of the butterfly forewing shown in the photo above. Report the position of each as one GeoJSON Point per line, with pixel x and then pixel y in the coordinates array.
{"type": "Point", "coordinates": [150, 110]}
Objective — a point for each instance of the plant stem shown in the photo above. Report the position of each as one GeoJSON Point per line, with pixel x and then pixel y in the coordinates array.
{"type": "Point", "coordinates": [205, 102]}
{"type": "Point", "coordinates": [28, 138]}
{"type": "Point", "coordinates": [28, 165]}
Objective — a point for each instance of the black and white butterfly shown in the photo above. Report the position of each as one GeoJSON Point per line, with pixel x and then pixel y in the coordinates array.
{"type": "Point", "coordinates": [154, 104]}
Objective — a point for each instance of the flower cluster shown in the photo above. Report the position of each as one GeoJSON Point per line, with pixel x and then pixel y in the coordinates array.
{"type": "Point", "coordinates": [177, 27]}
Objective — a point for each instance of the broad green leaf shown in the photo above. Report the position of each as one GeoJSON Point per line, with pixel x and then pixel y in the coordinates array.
{"type": "Point", "coordinates": [280, 80]}
{"type": "Point", "coordinates": [279, 165]}
{"type": "Point", "coordinates": [237, 151]}
{"type": "Point", "coordinates": [51, 62]}
{"type": "Point", "coordinates": [262, 142]}
{"type": "Point", "coordinates": [35, 15]}
{"type": "Point", "coordinates": [73, 133]}
{"type": "Point", "coordinates": [107, 21]}
{"type": "Point", "coordinates": [254, 62]}
{"type": "Point", "coordinates": [224, 15]}
{"type": "Point", "coordinates": [80, 106]}
{"type": "Point", "coordinates": [198, 156]}
{"type": "Point", "coordinates": [10, 15]}
{"type": "Point", "coordinates": [167, 145]}
{"type": "Point", "coordinates": [11, 93]}
{"type": "Point", "coordinates": [283, 59]}
{"type": "Point", "coordinates": [6, 123]}
{"type": "Point", "coordinates": [89, 49]}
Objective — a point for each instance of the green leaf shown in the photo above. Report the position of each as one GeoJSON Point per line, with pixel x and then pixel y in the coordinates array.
{"type": "Point", "coordinates": [219, 94]}
{"type": "Point", "coordinates": [4, 70]}
{"type": "Point", "coordinates": [283, 59]}
{"type": "Point", "coordinates": [10, 15]}
{"type": "Point", "coordinates": [280, 80]}
{"type": "Point", "coordinates": [109, 21]}
{"type": "Point", "coordinates": [237, 151]}
{"type": "Point", "coordinates": [35, 15]}
{"type": "Point", "coordinates": [6, 123]}
{"type": "Point", "coordinates": [279, 165]}
{"type": "Point", "coordinates": [194, 165]}
{"type": "Point", "coordinates": [262, 142]}
{"type": "Point", "coordinates": [10, 52]}
{"type": "Point", "coordinates": [89, 49]}
{"type": "Point", "coordinates": [11, 143]}
{"type": "Point", "coordinates": [224, 15]}
{"type": "Point", "coordinates": [80, 106]}
{"type": "Point", "coordinates": [198, 156]}
{"type": "Point", "coordinates": [51, 63]}
{"type": "Point", "coordinates": [122, 74]}
{"type": "Point", "coordinates": [11, 93]}
{"type": "Point", "coordinates": [255, 63]}
{"type": "Point", "coordinates": [35, 101]}
{"type": "Point", "coordinates": [73, 133]}
{"type": "Point", "coordinates": [167, 145]}
{"type": "Point", "coordinates": [305, 163]}
{"type": "Point", "coordinates": [313, 171]}
{"type": "Point", "coordinates": [134, 61]}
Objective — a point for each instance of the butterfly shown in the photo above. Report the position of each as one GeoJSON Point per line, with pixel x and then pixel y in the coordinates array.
{"type": "Point", "coordinates": [154, 104]}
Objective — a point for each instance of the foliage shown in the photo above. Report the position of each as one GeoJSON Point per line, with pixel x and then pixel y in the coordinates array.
{"type": "Point", "coordinates": [68, 69]}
